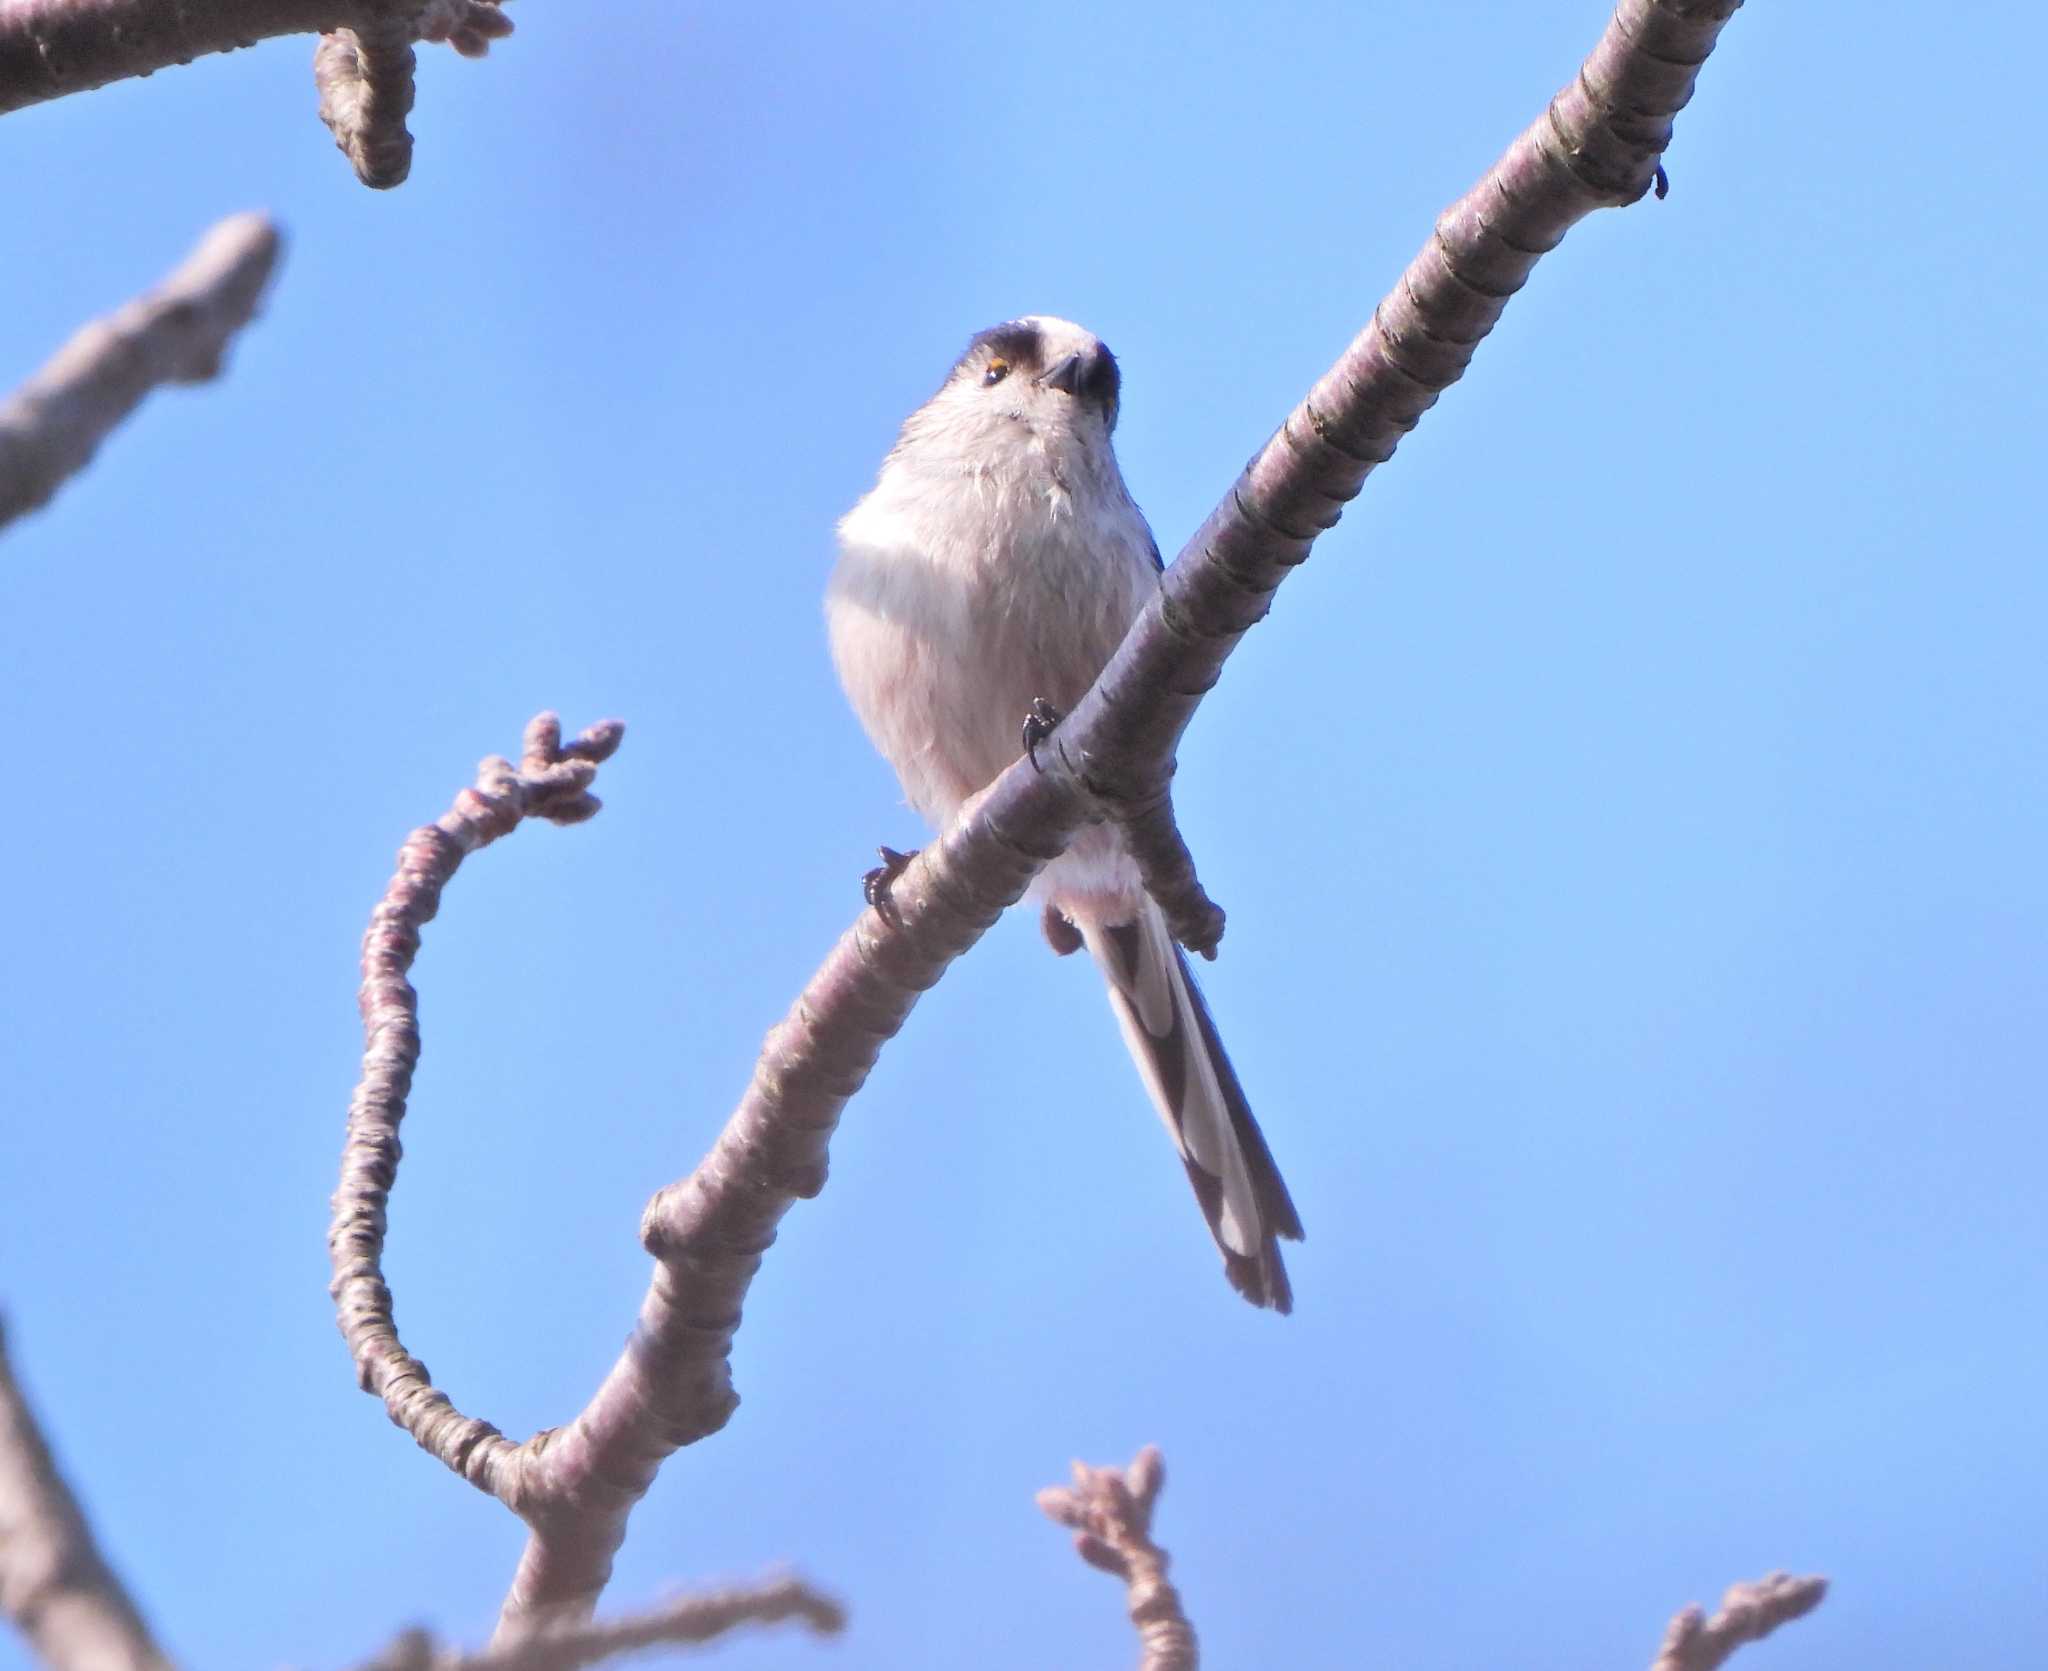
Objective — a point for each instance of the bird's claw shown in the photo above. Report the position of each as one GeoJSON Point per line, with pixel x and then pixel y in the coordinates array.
{"type": "Point", "coordinates": [1040, 719]}
{"type": "Point", "coordinates": [875, 885]}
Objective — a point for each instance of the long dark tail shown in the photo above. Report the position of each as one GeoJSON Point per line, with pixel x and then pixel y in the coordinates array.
{"type": "Point", "coordinates": [1174, 1042]}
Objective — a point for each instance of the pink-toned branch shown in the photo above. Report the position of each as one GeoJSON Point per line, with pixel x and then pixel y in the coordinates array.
{"type": "Point", "coordinates": [363, 67]}
{"type": "Point", "coordinates": [364, 78]}
{"type": "Point", "coordinates": [1110, 1510]}
{"type": "Point", "coordinates": [177, 333]}
{"type": "Point", "coordinates": [702, 1617]}
{"type": "Point", "coordinates": [552, 782]}
{"type": "Point", "coordinates": [1749, 1613]}
{"type": "Point", "coordinates": [55, 1585]}
{"type": "Point", "coordinates": [1598, 144]}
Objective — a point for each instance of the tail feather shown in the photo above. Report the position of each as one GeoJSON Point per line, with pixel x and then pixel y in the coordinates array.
{"type": "Point", "coordinates": [1174, 1042]}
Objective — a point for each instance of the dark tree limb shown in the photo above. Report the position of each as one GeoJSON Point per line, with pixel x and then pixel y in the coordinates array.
{"type": "Point", "coordinates": [362, 68]}
{"type": "Point", "coordinates": [1598, 144]}
{"type": "Point", "coordinates": [177, 333]}
{"type": "Point", "coordinates": [1749, 1613]}
{"type": "Point", "coordinates": [55, 1585]}
{"type": "Point", "coordinates": [1110, 1510]}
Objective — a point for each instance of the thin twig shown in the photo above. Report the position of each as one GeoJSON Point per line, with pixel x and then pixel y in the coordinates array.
{"type": "Point", "coordinates": [177, 333]}
{"type": "Point", "coordinates": [55, 1585]}
{"type": "Point", "coordinates": [1749, 1613]}
{"type": "Point", "coordinates": [1110, 1510]}
{"type": "Point", "coordinates": [552, 781]}
{"type": "Point", "coordinates": [699, 1618]}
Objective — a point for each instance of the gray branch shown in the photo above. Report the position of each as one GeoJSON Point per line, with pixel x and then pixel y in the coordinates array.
{"type": "Point", "coordinates": [689, 1620]}
{"type": "Point", "coordinates": [55, 1585]}
{"type": "Point", "coordinates": [1110, 1511]}
{"type": "Point", "coordinates": [178, 333]}
{"type": "Point", "coordinates": [362, 68]}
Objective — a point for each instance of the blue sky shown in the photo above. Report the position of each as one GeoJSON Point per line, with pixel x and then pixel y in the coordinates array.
{"type": "Point", "coordinates": [1631, 822]}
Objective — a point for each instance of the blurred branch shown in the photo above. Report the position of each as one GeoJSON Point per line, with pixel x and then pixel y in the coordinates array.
{"type": "Point", "coordinates": [691, 1619]}
{"type": "Point", "coordinates": [55, 1585]}
{"type": "Point", "coordinates": [52, 425]}
{"type": "Point", "coordinates": [1749, 1613]}
{"type": "Point", "coordinates": [1598, 144]}
{"type": "Point", "coordinates": [362, 68]}
{"type": "Point", "coordinates": [1110, 1510]}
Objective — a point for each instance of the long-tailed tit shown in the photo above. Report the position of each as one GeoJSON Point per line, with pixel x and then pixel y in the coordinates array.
{"type": "Point", "coordinates": [994, 568]}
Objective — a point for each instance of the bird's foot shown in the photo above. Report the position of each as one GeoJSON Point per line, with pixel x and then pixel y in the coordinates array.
{"type": "Point", "coordinates": [875, 885]}
{"type": "Point", "coordinates": [1039, 722]}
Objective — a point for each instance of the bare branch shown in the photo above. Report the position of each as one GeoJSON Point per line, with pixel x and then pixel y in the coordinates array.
{"type": "Point", "coordinates": [552, 781]}
{"type": "Point", "coordinates": [690, 1619]}
{"type": "Point", "coordinates": [55, 1585]}
{"type": "Point", "coordinates": [51, 48]}
{"type": "Point", "coordinates": [1598, 144]}
{"type": "Point", "coordinates": [362, 67]}
{"type": "Point", "coordinates": [177, 333]}
{"type": "Point", "coordinates": [1749, 1613]}
{"type": "Point", "coordinates": [1110, 1510]}
{"type": "Point", "coordinates": [364, 76]}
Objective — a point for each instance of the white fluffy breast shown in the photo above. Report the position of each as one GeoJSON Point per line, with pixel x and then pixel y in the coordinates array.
{"type": "Point", "coordinates": [961, 596]}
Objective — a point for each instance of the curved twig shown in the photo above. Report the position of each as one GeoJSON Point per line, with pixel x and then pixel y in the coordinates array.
{"type": "Point", "coordinates": [177, 333]}
{"type": "Point", "coordinates": [1110, 1510]}
{"type": "Point", "coordinates": [552, 781]}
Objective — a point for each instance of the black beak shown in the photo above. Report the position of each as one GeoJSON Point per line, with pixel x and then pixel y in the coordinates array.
{"type": "Point", "coordinates": [1066, 376]}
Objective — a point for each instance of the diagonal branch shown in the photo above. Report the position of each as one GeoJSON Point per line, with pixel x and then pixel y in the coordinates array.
{"type": "Point", "coordinates": [177, 333]}
{"type": "Point", "coordinates": [1749, 1613]}
{"type": "Point", "coordinates": [1598, 144]}
{"type": "Point", "coordinates": [55, 1585]}
{"type": "Point", "coordinates": [1110, 1510]}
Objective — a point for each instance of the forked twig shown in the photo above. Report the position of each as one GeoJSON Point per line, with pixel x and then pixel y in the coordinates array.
{"type": "Point", "coordinates": [1110, 1510]}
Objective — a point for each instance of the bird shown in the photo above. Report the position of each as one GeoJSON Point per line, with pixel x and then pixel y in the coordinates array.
{"type": "Point", "coordinates": [991, 571]}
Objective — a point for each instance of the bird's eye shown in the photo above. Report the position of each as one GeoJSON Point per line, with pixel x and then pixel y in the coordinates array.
{"type": "Point", "coordinates": [998, 369]}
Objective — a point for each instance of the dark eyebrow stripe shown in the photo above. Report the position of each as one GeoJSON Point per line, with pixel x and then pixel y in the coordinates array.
{"type": "Point", "coordinates": [1015, 341]}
